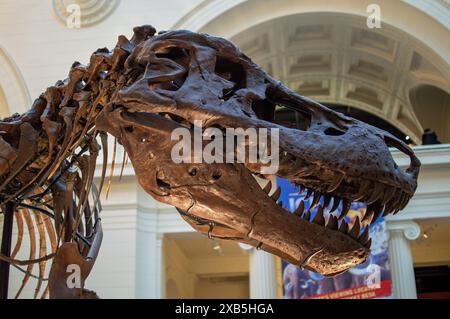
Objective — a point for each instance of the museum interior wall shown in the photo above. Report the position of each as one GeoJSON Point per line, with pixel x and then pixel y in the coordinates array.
{"type": "Point", "coordinates": [397, 73]}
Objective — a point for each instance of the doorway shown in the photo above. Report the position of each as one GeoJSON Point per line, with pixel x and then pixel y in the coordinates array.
{"type": "Point", "coordinates": [198, 267]}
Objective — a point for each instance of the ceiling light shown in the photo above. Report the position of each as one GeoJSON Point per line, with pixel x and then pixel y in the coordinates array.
{"type": "Point", "coordinates": [245, 246]}
{"type": "Point", "coordinates": [217, 247]}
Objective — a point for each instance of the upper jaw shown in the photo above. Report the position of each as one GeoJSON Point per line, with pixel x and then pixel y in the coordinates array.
{"type": "Point", "coordinates": [336, 148]}
{"type": "Point", "coordinates": [354, 166]}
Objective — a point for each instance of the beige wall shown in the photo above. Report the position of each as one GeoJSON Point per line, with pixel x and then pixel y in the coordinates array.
{"type": "Point", "coordinates": [434, 249]}
{"type": "Point", "coordinates": [178, 272]}
{"type": "Point", "coordinates": [206, 288]}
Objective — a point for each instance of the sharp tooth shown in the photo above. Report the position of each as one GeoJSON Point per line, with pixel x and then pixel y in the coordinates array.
{"type": "Point", "coordinates": [401, 202]}
{"type": "Point", "coordinates": [345, 208]}
{"type": "Point", "coordinates": [397, 200]}
{"type": "Point", "coordinates": [388, 209]}
{"type": "Point", "coordinates": [370, 209]}
{"type": "Point", "coordinates": [376, 194]}
{"type": "Point", "coordinates": [277, 194]}
{"type": "Point", "coordinates": [397, 211]}
{"type": "Point", "coordinates": [364, 236]}
{"type": "Point", "coordinates": [369, 243]}
{"type": "Point", "coordinates": [315, 200]}
{"type": "Point", "coordinates": [335, 183]}
{"type": "Point", "coordinates": [367, 215]}
{"type": "Point", "coordinates": [308, 193]}
{"type": "Point", "coordinates": [326, 200]}
{"type": "Point", "coordinates": [373, 210]}
{"type": "Point", "coordinates": [365, 186]}
{"type": "Point", "coordinates": [354, 233]}
{"type": "Point", "coordinates": [268, 187]}
{"type": "Point", "coordinates": [336, 202]}
{"type": "Point", "coordinates": [405, 201]}
{"type": "Point", "coordinates": [307, 215]}
{"type": "Point", "coordinates": [300, 208]}
{"type": "Point", "coordinates": [332, 222]}
{"type": "Point", "coordinates": [377, 212]}
{"type": "Point", "coordinates": [319, 219]}
{"type": "Point", "coordinates": [388, 195]}
{"type": "Point", "coordinates": [344, 227]}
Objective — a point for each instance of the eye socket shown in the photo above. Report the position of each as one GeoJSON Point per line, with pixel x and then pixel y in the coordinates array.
{"type": "Point", "coordinates": [230, 71]}
{"type": "Point", "coordinates": [177, 54]}
{"type": "Point", "coordinates": [161, 68]}
{"type": "Point", "coordinates": [233, 72]}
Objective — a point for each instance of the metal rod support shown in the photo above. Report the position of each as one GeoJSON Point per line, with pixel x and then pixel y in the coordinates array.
{"type": "Point", "coordinates": [8, 216]}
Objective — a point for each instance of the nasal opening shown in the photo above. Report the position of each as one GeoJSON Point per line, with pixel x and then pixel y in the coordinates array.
{"type": "Point", "coordinates": [414, 163]}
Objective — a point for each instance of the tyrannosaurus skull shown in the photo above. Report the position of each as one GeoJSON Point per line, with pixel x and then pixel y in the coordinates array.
{"type": "Point", "coordinates": [176, 78]}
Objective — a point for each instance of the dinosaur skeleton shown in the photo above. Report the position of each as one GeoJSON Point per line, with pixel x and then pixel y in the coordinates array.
{"type": "Point", "coordinates": [140, 92]}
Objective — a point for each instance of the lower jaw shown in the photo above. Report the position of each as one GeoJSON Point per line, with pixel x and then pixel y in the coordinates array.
{"type": "Point", "coordinates": [307, 245]}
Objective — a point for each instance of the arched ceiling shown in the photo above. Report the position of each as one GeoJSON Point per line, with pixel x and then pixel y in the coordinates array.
{"type": "Point", "coordinates": [335, 58]}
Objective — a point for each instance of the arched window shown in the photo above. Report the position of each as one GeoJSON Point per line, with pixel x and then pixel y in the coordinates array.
{"type": "Point", "coordinates": [432, 107]}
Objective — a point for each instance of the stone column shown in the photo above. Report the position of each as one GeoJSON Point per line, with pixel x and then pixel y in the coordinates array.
{"type": "Point", "coordinates": [402, 269]}
{"type": "Point", "coordinates": [160, 271]}
{"type": "Point", "coordinates": [263, 277]}
{"type": "Point", "coordinates": [148, 252]}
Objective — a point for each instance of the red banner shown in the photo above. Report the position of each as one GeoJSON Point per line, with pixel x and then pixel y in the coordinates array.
{"type": "Point", "coordinates": [361, 292]}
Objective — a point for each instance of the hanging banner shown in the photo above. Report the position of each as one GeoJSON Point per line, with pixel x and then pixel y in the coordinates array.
{"type": "Point", "coordinates": [366, 281]}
